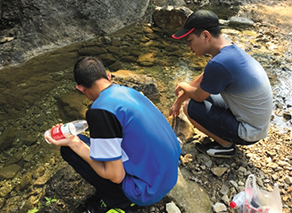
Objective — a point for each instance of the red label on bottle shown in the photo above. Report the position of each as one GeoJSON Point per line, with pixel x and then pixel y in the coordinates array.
{"type": "Point", "coordinates": [56, 133]}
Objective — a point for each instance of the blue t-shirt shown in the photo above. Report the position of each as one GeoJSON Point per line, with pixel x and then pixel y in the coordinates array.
{"type": "Point", "coordinates": [124, 124]}
{"type": "Point", "coordinates": [245, 88]}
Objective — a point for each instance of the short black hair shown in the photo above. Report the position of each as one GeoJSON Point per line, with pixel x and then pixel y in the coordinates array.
{"type": "Point", "coordinates": [214, 31]}
{"type": "Point", "coordinates": [87, 70]}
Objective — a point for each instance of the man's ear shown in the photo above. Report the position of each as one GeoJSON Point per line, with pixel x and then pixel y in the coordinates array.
{"type": "Point", "coordinates": [207, 35]}
{"type": "Point", "coordinates": [80, 88]}
{"type": "Point", "coordinates": [109, 76]}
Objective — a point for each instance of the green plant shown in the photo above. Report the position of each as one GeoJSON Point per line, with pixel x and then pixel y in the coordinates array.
{"type": "Point", "coordinates": [78, 202]}
{"type": "Point", "coordinates": [150, 6]}
{"type": "Point", "coordinates": [33, 210]}
{"type": "Point", "coordinates": [50, 200]}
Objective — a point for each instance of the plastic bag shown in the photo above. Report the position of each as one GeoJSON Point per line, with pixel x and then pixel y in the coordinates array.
{"type": "Point", "coordinates": [258, 200]}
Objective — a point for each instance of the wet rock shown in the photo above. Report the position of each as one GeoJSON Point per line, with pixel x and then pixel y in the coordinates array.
{"type": "Point", "coordinates": [92, 51]}
{"type": "Point", "coordinates": [29, 140]}
{"type": "Point", "coordinates": [73, 105]}
{"type": "Point", "coordinates": [10, 171]}
{"type": "Point", "coordinates": [142, 83]}
{"type": "Point", "coordinates": [114, 50]}
{"type": "Point", "coordinates": [15, 158]}
{"type": "Point", "coordinates": [146, 58]}
{"type": "Point", "coordinates": [129, 59]}
{"type": "Point", "coordinates": [7, 138]}
{"type": "Point", "coordinates": [43, 179]}
{"type": "Point", "coordinates": [45, 27]}
{"type": "Point", "coordinates": [26, 180]}
{"type": "Point", "coordinates": [115, 66]}
{"type": "Point", "coordinates": [107, 59]}
{"type": "Point", "coordinates": [40, 120]}
{"type": "Point", "coordinates": [170, 19]}
{"type": "Point", "coordinates": [5, 190]}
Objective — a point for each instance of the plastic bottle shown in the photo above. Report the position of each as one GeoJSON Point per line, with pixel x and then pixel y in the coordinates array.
{"type": "Point", "coordinates": [66, 130]}
{"type": "Point", "coordinates": [238, 200]}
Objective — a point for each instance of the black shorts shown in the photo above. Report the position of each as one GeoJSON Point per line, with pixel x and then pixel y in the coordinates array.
{"type": "Point", "coordinates": [214, 115]}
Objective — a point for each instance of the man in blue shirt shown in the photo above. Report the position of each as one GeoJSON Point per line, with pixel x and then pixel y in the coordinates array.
{"type": "Point", "coordinates": [132, 154]}
{"type": "Point", "coordinates": [231, 101]}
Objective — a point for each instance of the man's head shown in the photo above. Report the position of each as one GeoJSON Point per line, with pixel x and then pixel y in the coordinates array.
{"type": "Point", "coordinates": [88, 70]}
{"type": "Point", "coordinates": [199, 21]}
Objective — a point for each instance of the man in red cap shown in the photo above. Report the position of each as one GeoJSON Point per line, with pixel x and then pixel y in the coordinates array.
{"type": "Point", "coordinates": [231, 101]}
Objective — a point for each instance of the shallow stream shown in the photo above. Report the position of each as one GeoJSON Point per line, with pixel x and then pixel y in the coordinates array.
{"type": "Point", "coordinates": [30, 94]}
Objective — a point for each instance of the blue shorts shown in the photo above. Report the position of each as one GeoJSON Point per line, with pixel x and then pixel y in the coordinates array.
{"type": "Point", "coordinates": [214, 115]}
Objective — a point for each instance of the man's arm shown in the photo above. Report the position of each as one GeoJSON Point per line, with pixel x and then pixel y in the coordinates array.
{"type": "Point", "coordinates": [111, 170]}
{"type": "Point", "coordinates": [195, 93]}
{"type": "Point", "coordinates": [195, 83]}
{"type": "Point", "coordinates": [191, 92]}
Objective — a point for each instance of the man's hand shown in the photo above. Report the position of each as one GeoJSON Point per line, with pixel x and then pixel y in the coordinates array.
{"type": "Point", "coordinates": [179, 87]}
{"type": "Point", "coordinates": [72, 140]}
{"type": "Point", "coordinates": [175, 109]}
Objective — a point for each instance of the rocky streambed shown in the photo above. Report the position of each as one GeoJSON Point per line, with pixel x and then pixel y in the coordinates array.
{"type": "Point", "coordinates": [33, 175]}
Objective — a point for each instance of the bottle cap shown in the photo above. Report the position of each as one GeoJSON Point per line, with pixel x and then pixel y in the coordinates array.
{"type": "Point", "coordinates": [232, 204]}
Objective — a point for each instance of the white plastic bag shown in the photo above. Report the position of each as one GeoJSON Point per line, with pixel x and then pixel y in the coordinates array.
{"type": "Point", "coordinates": [258, 200]}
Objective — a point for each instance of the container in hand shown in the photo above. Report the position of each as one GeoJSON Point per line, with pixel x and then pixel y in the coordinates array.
{"type": "Point", "coordinates": [66, 130]}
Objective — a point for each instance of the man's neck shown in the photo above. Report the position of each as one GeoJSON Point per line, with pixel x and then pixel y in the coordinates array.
{"type": "Point", "coordinates": [98, 87]}
{"type": "Point", "coordinates": [218, 44]}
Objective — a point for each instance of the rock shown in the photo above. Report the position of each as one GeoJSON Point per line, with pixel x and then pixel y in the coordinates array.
{"type": "Point", "coordinates": [40, 120]}
{"type": "Point", "coordinates": [172, 208]}
{"type": "Point", "coordinates": [7, 138]}
{"type": "Point", "coordinates": [5, 190]}
{"type": "Point", "coordinates": [224, 189]}
{"type": "Point", "coordinates": [15, 158]}
{"type": "Point", "coordinates": [170, 19]}
{"type": "Point", "coordinates": [10, 171]}
{"type": "Point", "coordinates": [29, 140]}
{"type": "Point", "coordinates": [6, 39]}
{"type": "Point", "coordinates": [142, 83]}
{"type": "Point", "coordinates": [287, 114]}
{"type": "Point", "coordinates": [183, 127]}
{"type": "Point", "coordinates": [45, 26]}
{"type": "Point", "coordinates": [43, 179]}
{"type": "Point", "coordinates": [219, 207]}
{"type": "Point", "coordinates": [288, 180]}
{"type": "Point", "coordinates": [73, 105]}
{"type": "Point", "coordinates": [189, 194]}
{"type": "Point", "coordinates": [26, 180]}
{"type": "Point", "coordinates": [92, 51]}
{"type": "Point", "coordinates": [218, 171]}
{"type": "Point", "coordinates": [147, 57]}
{"type": "Point", "coordinates": [204, 159]}
{"type": "Point", "coordinates": [240, 21]}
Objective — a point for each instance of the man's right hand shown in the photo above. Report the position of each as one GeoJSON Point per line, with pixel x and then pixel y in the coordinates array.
{"type": "Point", "coordinates": [175, 109]}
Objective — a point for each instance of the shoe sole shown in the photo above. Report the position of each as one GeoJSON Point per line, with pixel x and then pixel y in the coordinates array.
{"type": "Point", "coordinates": [216, 155]}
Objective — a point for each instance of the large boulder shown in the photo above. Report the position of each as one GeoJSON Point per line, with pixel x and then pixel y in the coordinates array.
{"type": "Point", "coordinates": [30, 27]}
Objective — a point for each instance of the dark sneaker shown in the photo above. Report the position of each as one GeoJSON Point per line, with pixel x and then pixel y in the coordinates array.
{"type": "Point", "coordinates": [214, 149]}
{"type": "Point", "coordinates": [101, 207]}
